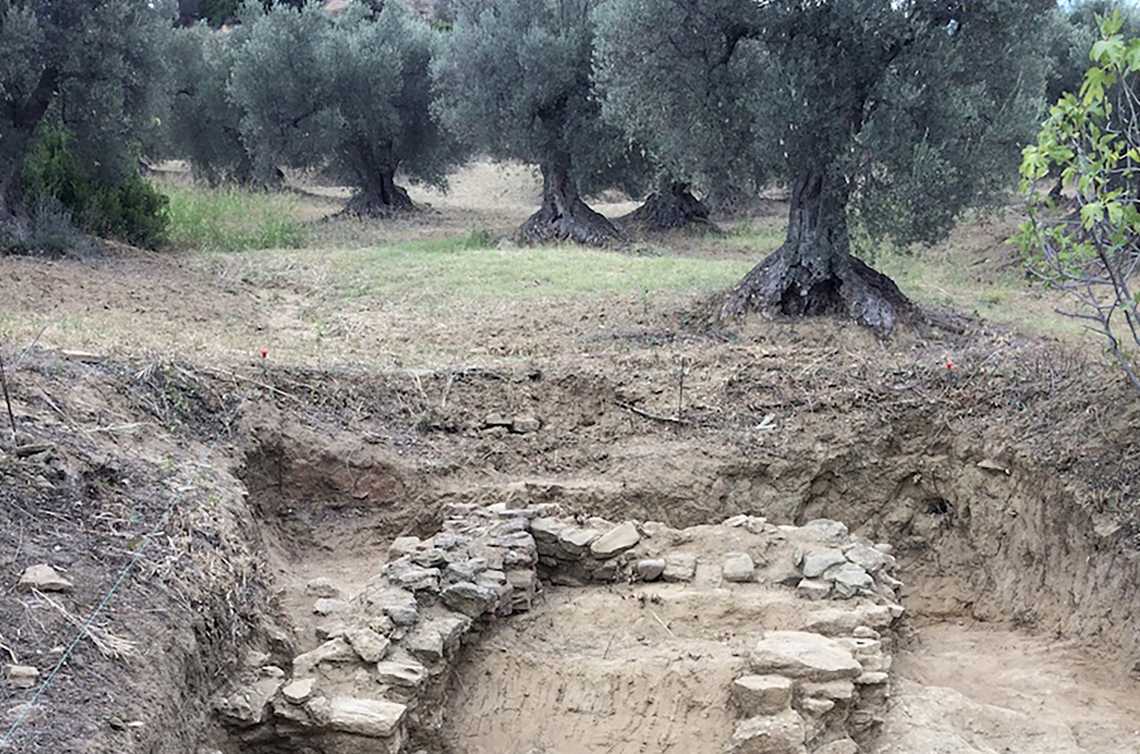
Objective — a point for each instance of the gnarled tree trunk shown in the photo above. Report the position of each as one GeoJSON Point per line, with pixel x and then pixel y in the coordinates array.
{"type": "Point", "coordinates": [813, 272]}
{"type": "Point", "coordinates": [378, 195]}
{"type": "Point", "coordinates": [670, 206]}
{"type": "Point", "coordinates": [563, 215]}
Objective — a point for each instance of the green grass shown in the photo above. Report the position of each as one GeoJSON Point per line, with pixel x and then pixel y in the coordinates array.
{"type": "Point", "coordinates": [233, 219]}
{"type": "Point", "coordinates": [456, 269]}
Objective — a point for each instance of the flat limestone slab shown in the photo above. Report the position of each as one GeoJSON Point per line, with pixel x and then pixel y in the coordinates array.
{"type": "Point", "coordinates": [803, 655]}
{"type": "Point", "coordinates": [375, 718]}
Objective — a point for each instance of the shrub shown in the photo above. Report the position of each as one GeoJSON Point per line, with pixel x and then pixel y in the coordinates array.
{"type": "Point", "coordinates": [56, 186]}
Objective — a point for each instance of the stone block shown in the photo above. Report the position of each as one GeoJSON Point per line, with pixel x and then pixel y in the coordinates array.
{"type": "Point", "coordinates": [770, 734]}
{"type": "Point", "coordinates": [616, 541]}
{"type": "Point", "coordinates": [761, 694]}
{"type": "Point", "coordinates": [373, 718]}
{"type": "Point", "coordinates": [805, 656]}
{"type": "Point", "coordinates": [738, 567]}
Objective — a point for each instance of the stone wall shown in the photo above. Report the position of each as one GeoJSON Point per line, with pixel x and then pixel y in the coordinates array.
{"type": "Point", "coordinates": [373, 683]}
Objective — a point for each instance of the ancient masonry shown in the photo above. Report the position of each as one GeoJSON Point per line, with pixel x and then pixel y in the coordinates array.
{"type": "Point", "coordinates": [375, 683]}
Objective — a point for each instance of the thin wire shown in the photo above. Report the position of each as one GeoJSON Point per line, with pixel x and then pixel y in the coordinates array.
{"type": "Point", "coordinates": [28, 706]}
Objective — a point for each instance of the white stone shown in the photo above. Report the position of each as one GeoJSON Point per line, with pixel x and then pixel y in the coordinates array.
{"type": "Point", "coordinates": [680, 566]}
{"type": "Point", "coordinates": [817, 563]}
{"type": "Point", "coordinates": [369, 645]}
{"type": "Point", "coordinates": [761, 694]}
{"type": "Point", "coordinates": [834, 530]}
{"type": "Point", "coordinates": [299, 692]}
{"type": "Point", "coordinates": [738, 567]}
{"type": "Point", "coordinates": [575, 540]}
{"type": "Point", "coordinates": [21, 676]}
{"type": "Point", "coordinates": [402, 546]}
{"type": "Point", "coordinates": [373, 718]}
{"type": "Point", "coordinates": [650, 569]}
{"type": "Point", "coordinates": [802, 655]}
{"type": "Point", "coordinates": [44, 578]}
{"type": "Point", "coordinates": [850, 580]}
{"type": "Point", "coordinates": [334, 651]}
{"type": "Point", "coordinates": [525, 423]}
{"type": "Point", "coordinates": [326, 606]}
{"type": "Point", "coordinates": [770, 734]}
{"type": "Point", "coordinates": [404, 674]}
{"type": "Point", "coordinates": [322, 587]}
{"type": "Point", "coordinates": [616, 541]}
{"type": "Point", "coordinates": [814, 589]}
{"type": "Point", "coordinates": [869, 558]}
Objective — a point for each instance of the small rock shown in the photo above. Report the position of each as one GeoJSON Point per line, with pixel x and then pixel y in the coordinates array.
{"type": "Point", "coordinates": [547, 529]}
{"type": "Point", "coordinates": [272, 671]}
{"type": "Point", "coordinates": [369, 645]}
{"type": "Point", "coordinates": [650, 569]}
{"type": "Point", "coordinates": [869, 558]}
{"type": "Point", "coordinates": [815, 706]}
{"type": "Point", "coordinates": [425, 644]}
{"type": "Point", "coordinates": [680, 566]}
{"type": "Point", "coordinates": [762, 694]}
{"type": "Point", "coordinates": [736, 521]}
{"type": "Point", "coordinates": [372, 718]}
{"type": "Point", "coordinates": [402, 546]}
{"type": "Point", "coordinates": [616, 541]}
{"type": "Point", "coordinates": [406, 574]}
{"type": "Point", "coordinates": [403, 674]}
{"type": "Point", "coordinates": [433, 557]}
{"type": "Point", "coordinates": [866, 632]}
{"type": "Point", "coordinates": [331, 630]}
{"type": "Point", "coordinates": [322, 587]}
{"type": "Point", "coordinates": [21, 676]}
{"type": "Point", "coordinates": [336, 651]}
{"type": "Point", "coordinates": [492, 577]}
{"type": "Point", "coordinates": [44, 578]}
{"type": "Point", "coordinates": [470, 599]}
{"type": "Point", "coordinates": [814, 589]}
{"type": "Point", "coordinates": [496, 420]}
{"type": "Point", "coordinates": [850, 580]}
{"type": "Point", "coordinates": [802, 655]}
{"type": "Point", "coordinates": [24, 712]}
{"type": "Point", "coordinates": [525, 423]}
{"type": "Point", "coordinates": [509, 526]}
{"type": "Point", "coordinates": [299, 692]}
{"type": "Point", "coordinates": [448, 541]}
{"type": "Point", "coordinates": [255, 659]}
{"type": "Point", "coordinates": [872, 678]}
{"type": "Point", "coordinates": [575, 540]}
{"type": "Point", "coordinates": [833, 530]}
{"type": "Point", "coordinates": [770, 734]}
{"type": "Point", "coordinates": [840, 691]}
{"type": "Point", "coordinates": [402, 615]}
{"type": "Point", "coordinates": [815, 564]}
{"type": "Point", "coordinates": [885, 548]}
{"type": "Point", "coordinates": [249, 705]}
{"type": "Point", "coordinates": [326, 606]}
{"type": "Point", "coordinates": [738, 567]}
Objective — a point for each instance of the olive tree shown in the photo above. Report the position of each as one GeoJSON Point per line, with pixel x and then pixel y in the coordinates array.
{"type": "Point", "coordinates": [95, 69]}
{"type": "Point", "coordinates": [895, 114]}
{"type": "Point", "coordinates": [349, 94]}
{"type": "Point", "coordinates": [515, 81]}
{"type": "Point", "coordinates": [203, 123]}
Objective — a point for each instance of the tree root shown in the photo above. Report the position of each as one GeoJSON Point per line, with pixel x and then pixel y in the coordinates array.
{"type": "Point", "coordinates": [794, 283]}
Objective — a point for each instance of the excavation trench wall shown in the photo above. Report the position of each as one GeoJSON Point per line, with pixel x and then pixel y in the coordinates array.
{"type": "Point", "coordinates": [980, 530]}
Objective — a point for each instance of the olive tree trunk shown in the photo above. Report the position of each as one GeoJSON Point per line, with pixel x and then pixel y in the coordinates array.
{"type": "Point", "coordinates": [671, 206]}
{"type": "Point", "coordinates": [378, 195]}
{"type": "Point", "coordinates": [813, 272]}
{"type": "Point", "coordinates": [563, 215]}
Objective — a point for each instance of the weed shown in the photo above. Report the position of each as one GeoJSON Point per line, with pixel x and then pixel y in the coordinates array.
{"type": "Point", "coordinates": [233, 219]}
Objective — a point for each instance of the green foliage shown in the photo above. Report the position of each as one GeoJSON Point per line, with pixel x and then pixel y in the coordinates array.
{"type": "Point", "coordinates": [203, 123]}
{"type": "Point", "coordinates": [515, 81]}
{"type": "Point", "coordinates": [233, 219]}
{"type": "Point", "coordinates": [909, 111]}
{"type": "Point", "coordinates": [57, 185]}
{"type": "Point", "coordinates": [96, 67]}
{"type": "Point", "coordinates": [1092, 139]}
{"type": "Point", "coordinates": [349, 94]}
